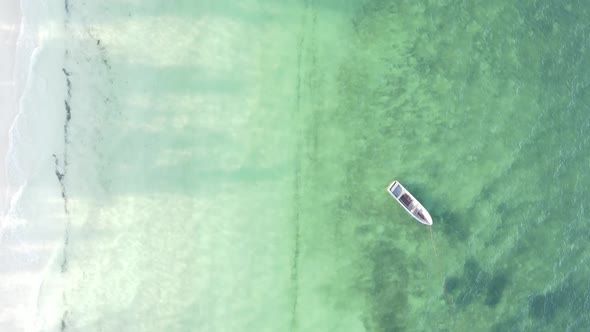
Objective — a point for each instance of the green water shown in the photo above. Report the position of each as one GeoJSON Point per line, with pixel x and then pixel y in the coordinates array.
{"type": "Point", "coordinates": [228, 164]}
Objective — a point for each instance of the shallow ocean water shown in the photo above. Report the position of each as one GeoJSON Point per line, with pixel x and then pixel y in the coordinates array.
{"type": "Point", "coordinates": [222, 166]}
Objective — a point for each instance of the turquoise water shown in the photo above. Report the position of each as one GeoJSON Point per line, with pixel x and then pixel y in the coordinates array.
{"type": "Point", "coordinates": [222, 166]}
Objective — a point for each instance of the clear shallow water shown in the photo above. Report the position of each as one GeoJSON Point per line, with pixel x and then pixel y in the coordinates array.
{"type": "Point", "coordinates": [223, 166]}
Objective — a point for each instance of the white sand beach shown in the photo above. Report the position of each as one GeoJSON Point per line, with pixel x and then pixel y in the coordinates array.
{"type": "Point", "coordinates": [10, 20]}
{"type": "Point", "coordinates": [23, 252]}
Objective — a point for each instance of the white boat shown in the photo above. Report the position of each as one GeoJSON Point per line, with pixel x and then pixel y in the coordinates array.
{"type": "Point", "coordinates": [409, 202]}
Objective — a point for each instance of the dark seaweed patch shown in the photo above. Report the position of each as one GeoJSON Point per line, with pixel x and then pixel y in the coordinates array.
{"type": "Point", "coordinates": [390, 317]}
{"type": "Point", "coordinates": [511, 324]}
{"type": "Point", "coordinates": [106, 63]}
{"type": "Point", "coordinates": [543, 306]}
{"type": "Point", "coordinates": [69, 86]}
{"type": "Point", "coordinates": [103, 54]}
{"type": "Point", "coordinates": [495, 289]}
{"type": "Point", "coordinates": [62, 168]}
{"type": "Point", "coordinates": [63, 324]}
{"type": "Point", "coordinates": [388, 277]}
{"type": "Point", "coordinates": [475, 282]}
{"type": "Point", "coordinates": [363, 230]}
{"type": "Point", "coordinates": [64, 264]}
{"type": "Point", "coordinates": [68, 111]}
{"type": "Point", "coordinates": [59, 174]}
{"type": "Point", "coordinates": [451, 284]}
{"type": "Point", "coordinates": [60, 178]}
{"type": "Point", "coordinates": [451, 224]}
{"type": "Point", "coordinates": [565, 305]}
{"type": "Point", "coordinates": [471, 270]}
{"type": "Point", "coordinates": [295, 272]}
{"type": "Point", "coordinates": [296, 216]}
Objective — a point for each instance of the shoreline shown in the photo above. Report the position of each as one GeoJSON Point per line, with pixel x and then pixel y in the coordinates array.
{"type": "Point", "coordinates": [10, 88]}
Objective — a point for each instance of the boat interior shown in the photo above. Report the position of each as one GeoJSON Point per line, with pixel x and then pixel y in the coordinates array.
{"type": "Point", "coordinates": [396, 190]}
{"type": "Point", "coordinates": [406, 200]}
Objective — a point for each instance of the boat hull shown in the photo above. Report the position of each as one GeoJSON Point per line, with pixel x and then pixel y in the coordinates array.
{"type": "Point", "coordinates": [409, 203]}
